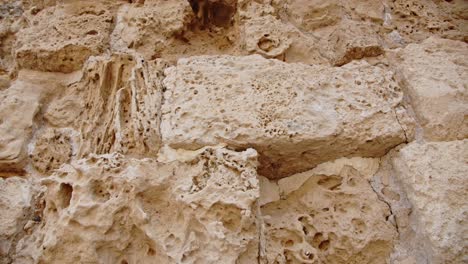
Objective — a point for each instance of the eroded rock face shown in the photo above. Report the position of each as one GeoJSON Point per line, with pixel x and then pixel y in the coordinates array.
{"type": "Point", "coordinates": [118, 107]}
{"type": "Point", "coordinates": [17, 208]}
{"type": "Point", "coordinates": [334, 217]}
{"type": "Point", "coordinates": [148, 27]}
{"type": "Point", "coordinates": [111, 209]}
{"type": "Point", "coordinates": [435, 180]}
{"type": "Point", "coordinates": [19, 105]}
{"type": "Point", "coordinates": [62, 37]}
{"type": "Point", "coordinates": [436, 74]}
{"type": "Point", "coordinates": [288, 112]}
{"type": "Point", "coordinates": [233, 131]}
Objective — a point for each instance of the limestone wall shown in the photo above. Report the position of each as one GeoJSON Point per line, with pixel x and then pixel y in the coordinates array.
{"type": "Point", "coordinates": [233, 131]}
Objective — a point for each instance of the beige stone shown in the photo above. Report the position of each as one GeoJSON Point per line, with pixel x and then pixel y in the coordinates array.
{"type": "Point", "coordinates": [19, 105]}
{"type": "Point", "coordinates": [111, 209]}
{"type": "Point", "coordinates": [60, 38]}
{"type": "Point", "coordinates": [267, 36]}
{"type": "Point", "coordinates": [436, 77]}
{"type": "Point", "coordinates": [296, 116]}
{"type": "Point", "coordinates": [52, 148]}
{"type": "Point", "coordinates": [16, 208]}
{"type": "Point", "coordinates": [148, 27]}
{"type": "Point", "coordinates": [345, 46]}
{"type": "Point", "coordinates": [115, 106]}
{"type": "Point", "coordinates": [329, 218]}
{"type": "Point", "coordinates": [233, 131]}
{"type": "Point", "coordinates": [434, 176]}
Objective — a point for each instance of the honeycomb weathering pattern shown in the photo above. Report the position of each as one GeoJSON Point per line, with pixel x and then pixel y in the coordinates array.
{"type": "Point", "coordinates": [233, 131]}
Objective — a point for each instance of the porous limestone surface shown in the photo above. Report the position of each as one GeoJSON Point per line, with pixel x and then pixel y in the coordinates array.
{"type": "Point", "coordinates": [111, 209]}
{"type": "Point", "coordinates": [333, 216]}
{"type": "Point", "coordinates": [233, 131]}
{"type": "Point", "coordinates": [434, 176]}
{"type": "Point", "coordinates": [16, 209]}
{"type": "Point", "coordinates": [436, 76]}
{"type": "Point", "coordinates": [295, 115]}
{"type": "Point", "coordinates": [114, 106]}
{"type": "Point", "coordinates": [61, 38]}
{"type": "Point", "coordinates": [19, 105]}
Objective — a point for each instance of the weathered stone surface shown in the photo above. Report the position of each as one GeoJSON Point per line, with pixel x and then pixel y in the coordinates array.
{"type": "Point", "coordinates": [328, 218]}
{"type": "Point", "coordinates": [16, 208]}
{"type": "Point", "coordinates": [118, 106]}
{"type": "Point", "coordinates": [296, 116]}
{"type": "Point", "coordinates": [141, 121]}
{"type": "Point", "coordinates": [436, 77]}
{"type": "Point", "coordinates": [18, 107]}
{"type": "Point", "coordinates": [60, 38]}
{"type": "Point", "coordinates": [345, 46]}
{"type": "Point", "coordinates": [51, 149]}
{"type": "Point", "coordinates": [110, 209]}
{"type": "Point", "coordinates": [417, 20]}
{"type": "Point", "coordinates": [148, 27]}
{"type": "Point", "coordinates": [434, 176]}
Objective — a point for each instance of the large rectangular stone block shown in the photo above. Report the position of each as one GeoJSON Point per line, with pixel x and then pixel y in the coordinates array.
{"type": "Point", "coordinates": [295, 115]}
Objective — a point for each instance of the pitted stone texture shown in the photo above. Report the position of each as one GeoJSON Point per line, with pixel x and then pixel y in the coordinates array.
{"type": "Point", "coordinates": [295, 115]}
{"type": "Point", "coordinates": [329, 218]}
{"type": "Point", "coordinates": [436, 76]}
{"type": "Point", "coordinates": [344, 46]}
{"type": "Point", "coordinates": [60, 38]}
{"type": "Point", "coordinates": [265, 33]}
{"type": "Point", "coordinates": [111, 209]}
{"type": "Point", "coordinates": [267, 36]}
{"type": "Point", "coordinates": [115, 106]}
{"type": "Point", "coordinates": [16, 208]}
{"type": "Point", "coordinates": [416, 20]}
{"type": "Point", "coordinates": [435, 178]}
{"type": "Point", "coordinates": [147, 28]}
{"type": "Point", "coordinates": [19, 105]}
{"type": "Point", "coordinates": [52, 148]}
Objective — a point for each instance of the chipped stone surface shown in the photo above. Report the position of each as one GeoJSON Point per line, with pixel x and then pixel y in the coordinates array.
{"type": "Point", "coordinates": [436, 76]}
{"type": "Point", "coordinates": [288, 112]}
{"type": "Point", "coordinates": [434, 176]}
{"type": "Point", "coordinates": [60, 38]}
{"type": "Point", "coordinates": [233, 131]}
{"type": "Point", "coordinates": [16, 208]}
{"type": "Point", "coordinates": [329, 218]}
{"type": "Point", "coordinates": [148, 27]}
{"type": "Point", "coordinates": [51, 149]}
{"type": "Point", "coordinates": [19, 105]}
{"type": "Point", "coordinates": [111, 209]}
{"type": "Point", "coordinates": [119, 106]}
{"type": "Point", "coordinates": [346, 47]}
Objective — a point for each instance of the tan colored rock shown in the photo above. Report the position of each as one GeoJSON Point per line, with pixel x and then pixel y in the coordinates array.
{"type": "Point", "coordinates": [352, 41]}
{"type": "Point", "coordinates": [18, 107]}
{"type": "Point", "coordinates": [10, 22]}
{"type": "Point", "coordinates": [52, 148]}
{"type": "Point", "coordinates": [434, 176]}
{"type": "Point", "coordinates": [417, 20]}
{"type": "Point", "coordinates": [115, 106]}
{"type": "Point", "coordinates": [16, 208]}
{"type": "Point", "coordinates": [329, 218]}
{"type": "Point", "coordinates": [148, 27]}
{"type": "Point", "coordinates": [60, 38]}
{"type": "Point", "coordinates": [296, 116]}
{"type": "Point", "coordinates": [310, 15]}
{"type": "Point", "coordinates": [267, 36]}
{"type": "Point", "coordinates": [366, 167]}
{"type": "Point", "coordinates": [111, 209]}
{"type": "Point", "coordinates": [436, 77]}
